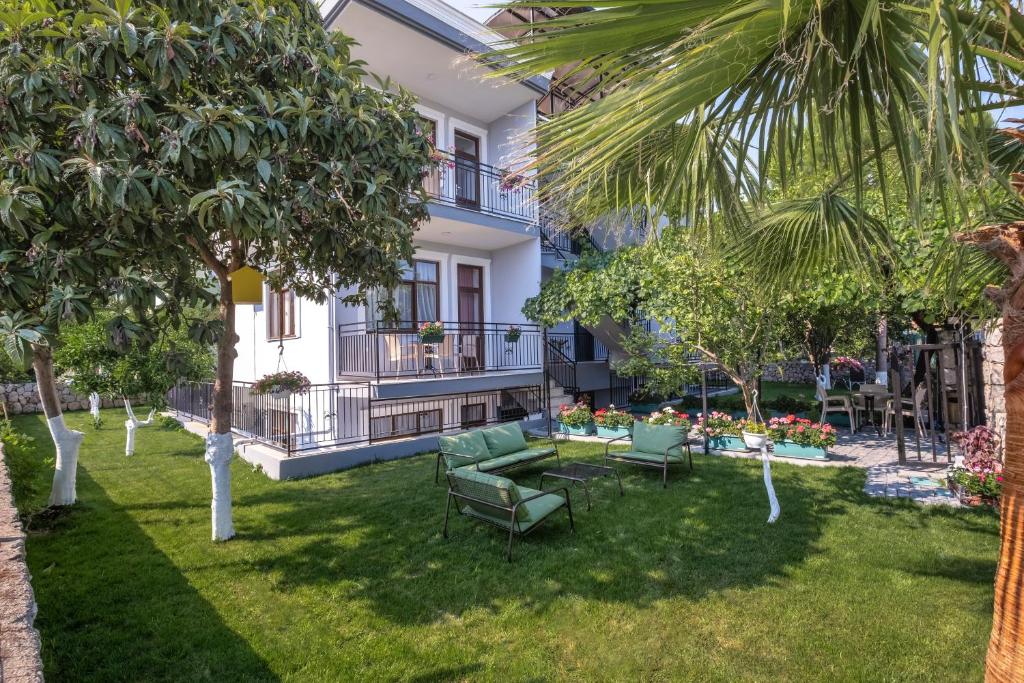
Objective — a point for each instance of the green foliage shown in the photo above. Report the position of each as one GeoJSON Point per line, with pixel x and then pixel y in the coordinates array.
{"type": "Point", "coordinates": [90, 360]}
{"type": "Point", "coordinates": [167, 423]}
{"type": "Point", "coordinates": [23, 462]}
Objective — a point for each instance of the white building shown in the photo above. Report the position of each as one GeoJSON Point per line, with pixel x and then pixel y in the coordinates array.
{"type": "Point", "coordinates": [380, 391]}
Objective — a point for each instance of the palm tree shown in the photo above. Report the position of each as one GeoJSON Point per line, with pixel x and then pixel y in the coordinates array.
{"type": "Point", "coordinates": [696, 95]}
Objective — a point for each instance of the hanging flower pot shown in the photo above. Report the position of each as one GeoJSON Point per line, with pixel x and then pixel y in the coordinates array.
{"type": "Point", "coordinates": [513, 334]}
{"type": "Point", "coordinates": [431, 333]}
{"type": "Point", "coordinates": [280, 385]}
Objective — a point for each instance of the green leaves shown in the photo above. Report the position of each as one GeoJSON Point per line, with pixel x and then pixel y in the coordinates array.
{"type": "Point", "coordinates": [18, 336]}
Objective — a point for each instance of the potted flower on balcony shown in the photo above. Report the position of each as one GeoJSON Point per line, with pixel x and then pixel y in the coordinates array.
{"type": "Point", "coordinates": [721, 431]}
{"type": "Point", "coordinates": [281, 384]}
{"type": "Point", "coordinates": [755, 434]}
{"type": "Point", "coordinates": [797, 437]}
{"type": "Point", "coordinates": [576, 418]}
{"type": "Point", "coordinates": [513, 333]}
{"type": "Point", "coordinates": [976, 476]}
{"type": "Point", "coordinates": [510, 180]}
{"type": "Point", "coordinates": [431, 333]}
{"type": "Point", "coordinates": [613, 423]}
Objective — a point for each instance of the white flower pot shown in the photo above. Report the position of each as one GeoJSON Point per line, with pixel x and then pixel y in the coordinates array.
{"type": "Point", "coordinates": [755, 441]}
{"type": "Point", "coordinates": [280, 394]}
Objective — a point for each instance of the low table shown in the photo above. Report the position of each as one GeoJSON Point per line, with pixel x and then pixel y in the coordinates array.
{"type": "Point", "coordinates": [581, 473]}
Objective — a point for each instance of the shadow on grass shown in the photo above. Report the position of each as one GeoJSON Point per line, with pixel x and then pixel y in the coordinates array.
{"type": "Point", "coordinates": [706, 533]}
{"type": "Point", "coordinates": [111, 604]}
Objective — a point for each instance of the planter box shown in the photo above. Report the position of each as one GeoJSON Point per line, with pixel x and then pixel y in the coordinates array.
{"type": "Point", "coordinates": [511, 338]}
{"type": "Point", "coordinates": [970, 499]}
{"type": "Point", "coordinates": [795, 450]}
{"type": "Point", "coordinates": [585, 430]}
{"type": "Point", "coordinates": [613, 432]}
{"type": "Point", "coordinates": [727, 443]}
{"type": "Point", "coordinates": [432, 338]}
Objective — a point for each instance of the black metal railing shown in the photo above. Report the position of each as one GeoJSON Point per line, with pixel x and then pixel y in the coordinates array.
{"type": "Point", "coordinates": [560, 366]}
{"type": "Point", "coordinates": [395, 350]}
{"type": "Point", "coordinates": [458, 181]}
{"type": "Point", "coordinates": [564, 244]}
{"type": "Point", "coordinates": [347, 413]}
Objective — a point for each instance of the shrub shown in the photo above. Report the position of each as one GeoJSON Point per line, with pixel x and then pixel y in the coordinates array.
{"type": "Point", "coordinates": [167, 423]}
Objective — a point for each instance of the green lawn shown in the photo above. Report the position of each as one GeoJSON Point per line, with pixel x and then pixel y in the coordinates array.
{"type": "Point", "coordinates": [346, 577]}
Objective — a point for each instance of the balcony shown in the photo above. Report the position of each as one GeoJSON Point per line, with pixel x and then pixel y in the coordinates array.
{"type": "Point", "coordinates": [468, 184]}
{"type": "Point", "coordinates": [395, 351]}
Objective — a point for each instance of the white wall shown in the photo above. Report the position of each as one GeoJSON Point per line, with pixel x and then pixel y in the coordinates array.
{"type": "Point", "coordinates": [516, 274]}
{"type": "Point", "coordinates": [511, 137]}
{"type": "Point", "coordinates": [309, 351]}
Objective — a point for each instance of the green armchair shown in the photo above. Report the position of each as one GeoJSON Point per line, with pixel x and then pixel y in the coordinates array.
{"type": "Point", "coordinates": [656, 446]}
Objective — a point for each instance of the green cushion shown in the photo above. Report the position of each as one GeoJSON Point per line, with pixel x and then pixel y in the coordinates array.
{"type": "Point", "coordinates": [504, 439]}
{"type": "Point", "coordinates": [648, 457]}
{"type": "Point", "coordinates": [471, 444]}
{"type": "Point", "coordinates": [510, 459]}
{"type": "Point", "coordinates": [648, 438]}
{"type": "Point", "coordinates": [499, 491]}
{"type": "Point", "coordinates": [529, 514]}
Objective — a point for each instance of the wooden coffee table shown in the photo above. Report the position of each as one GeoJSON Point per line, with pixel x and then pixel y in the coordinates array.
{"type": "Point", "coordinates": [581, 473]}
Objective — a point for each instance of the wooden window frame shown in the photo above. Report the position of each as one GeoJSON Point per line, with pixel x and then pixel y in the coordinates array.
{"type": "Point", "coordinates": [467, 424]}
{"type": "Point", "coordinates": [288, 328]}
{"type": "Point", "coordinates": [414, 283]}
{"type": "Point", "coordinates": [420, 431]}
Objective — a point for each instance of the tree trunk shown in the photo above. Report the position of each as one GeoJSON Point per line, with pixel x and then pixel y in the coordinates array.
{"type": "Point", "coordinates": [94, 407]}
{"type": "Point", "coordinates": [219, 443]}
{"type": "Point", "coordinates": [881, 353]}
{"type": "Point", "coordinates": [132, 424]}
{"type": "Point", "coordinates": [747, 389]}
{"type": "Point", "coordinates": [66, 441]}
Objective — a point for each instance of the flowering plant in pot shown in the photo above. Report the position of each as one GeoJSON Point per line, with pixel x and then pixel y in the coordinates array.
{"type": "Point", "coordinates": [442, 159]}
{"type": "Point", "coordinates": [755, 433]}
{"type": "Point", "coordinates": [976, 476]}
{"type": "Point", "coordinates": [721, 431]}
{"type": "Point", "coordinates": [510, 180]}
{"type": "Point", "coordinates": [281, 384]}
{"type": "Point", "coordinates": [432, 333]}
{"type": "Point", "coordinates": [576, 418]}
{"type": "Point", "coordinates": [513, 333]}
{"type": "Point", "coordinates": [612, 423]}
{"type": "Point", "coordinates": [799, 437]}
{"type": "Point", "coordinates": [669, 416]}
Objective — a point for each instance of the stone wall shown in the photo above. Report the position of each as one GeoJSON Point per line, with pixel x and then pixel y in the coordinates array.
{"type": "Point", "coordinates": [20, 661]}
{"type": "Point", "coordinates": [992, 373]}
{"type": "Point", "coordinates": [24, 398]}
{"type": "Point", "coordinates": [802, 372]}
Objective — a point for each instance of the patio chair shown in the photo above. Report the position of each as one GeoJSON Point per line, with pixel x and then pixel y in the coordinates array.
{"type": "Point", "coordinates": [909, 407]}
{"type": "Point", "coordinates": [860, 405]}
{"type": "Point", "coordinates": [656, 446]}
{"type": "Point", "coordinates": [834, 404]}
{"type": "Point", "coordinates": [502, 503]}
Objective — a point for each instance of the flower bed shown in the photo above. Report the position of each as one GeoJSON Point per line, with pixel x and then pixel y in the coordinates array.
{"type": "Point", "coordinates": [576, 418]}
{"type": "Point", "coordinates": [612, 423]}
{"type": "Point", "coordinates": [721, 431]}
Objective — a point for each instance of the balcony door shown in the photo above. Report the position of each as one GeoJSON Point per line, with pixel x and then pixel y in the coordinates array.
{"type": "Point", "coordinates": [471, 317]}
{"type": "Point", "coordinates": [467, 170]}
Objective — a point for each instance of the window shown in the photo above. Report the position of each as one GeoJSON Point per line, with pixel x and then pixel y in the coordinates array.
{"type": "Point", "coordinates": [405, 424]}
{"type": "Point", "coordinates": [474, 415]}
{"type": "Point", "coordinates": [432, 178]}
{"type": "Point", "coordinates": [418, 298]}
{"type": "Point", "coordinates": [280, 314]}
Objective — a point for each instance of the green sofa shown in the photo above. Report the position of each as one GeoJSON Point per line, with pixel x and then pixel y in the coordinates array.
{"type": "Point", "coordinates": [492, 450]}
{"type": "Point", "coordinates": [657, 446]}
{"type": "Point", "coordinates": [502, 503]}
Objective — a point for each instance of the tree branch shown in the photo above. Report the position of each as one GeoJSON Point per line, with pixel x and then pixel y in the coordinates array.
{"type": "Point", "coordinates": [209, 258]}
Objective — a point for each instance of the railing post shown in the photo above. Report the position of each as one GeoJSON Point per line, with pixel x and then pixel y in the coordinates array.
{"type": "Point", "coordinates": [546, 388]}
{"type": "Point", "coordinates": [896, 382]}
{"type": "Point", "coordinates": [704, 402]}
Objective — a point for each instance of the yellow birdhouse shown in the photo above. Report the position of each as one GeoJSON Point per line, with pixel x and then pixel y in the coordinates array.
{"type": "Point", "coordinates": [246, 285]}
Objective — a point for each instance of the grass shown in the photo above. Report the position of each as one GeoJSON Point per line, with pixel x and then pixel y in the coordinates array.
{"type": "Point", "coordinates": [347, 577]}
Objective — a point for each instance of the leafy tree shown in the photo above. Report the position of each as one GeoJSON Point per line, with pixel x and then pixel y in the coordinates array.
{"type": "Point", "coordinates": [753, 81]}
{"type": "Point", "coordinates": [213, 136]}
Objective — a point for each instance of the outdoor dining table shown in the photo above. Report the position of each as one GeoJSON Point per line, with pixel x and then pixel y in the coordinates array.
{"type": "Point", "coordinates": [869, 398]}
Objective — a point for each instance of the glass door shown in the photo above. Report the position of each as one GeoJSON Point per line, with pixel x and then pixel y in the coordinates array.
{"type": "Point", "coordinates": [471, 317]}
{"type": "Point", "coordinates": [467, 170]}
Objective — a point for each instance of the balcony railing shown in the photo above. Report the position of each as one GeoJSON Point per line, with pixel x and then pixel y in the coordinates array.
{"type": "Point", "coordinates": [465, 183]}
{"type": "Point", "coordinates": [395, 351]}
{"type": "Point", "coordinates": [348, 414]}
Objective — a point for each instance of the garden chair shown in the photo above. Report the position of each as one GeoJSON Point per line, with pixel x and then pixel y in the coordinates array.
{"type": "Point", "coordinates": [502, 503]}
{"type": "Point", "coordinates": [834, 404]}
{"type": "Point", "coordinates": [860, 405]}
{"type": "Point", "coordinates": [909, 407]}
{"type": "Point", "coordinates": [657, 446]}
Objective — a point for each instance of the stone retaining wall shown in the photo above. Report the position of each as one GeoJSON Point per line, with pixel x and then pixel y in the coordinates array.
{"type": "Point", "coordinates": [20, 661]}
{"type": "Point", "coordinates": [24, 398]}
{"type": "Point", "coordinates": [802, 372]}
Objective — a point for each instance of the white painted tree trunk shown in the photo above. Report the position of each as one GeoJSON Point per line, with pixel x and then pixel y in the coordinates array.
{"type": "Point", "coordinates": [219, 450]}
{"type": "Point", "coordinates": [826, 375]}
{"type": "Point", "coordinates": [94, 405]}
{"type": "Point", "coordinates": [776, 510]}
{"type": "Point", "coordinates": [67, 442]}
{"type": "Point", "coordinates": [133, 423]}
